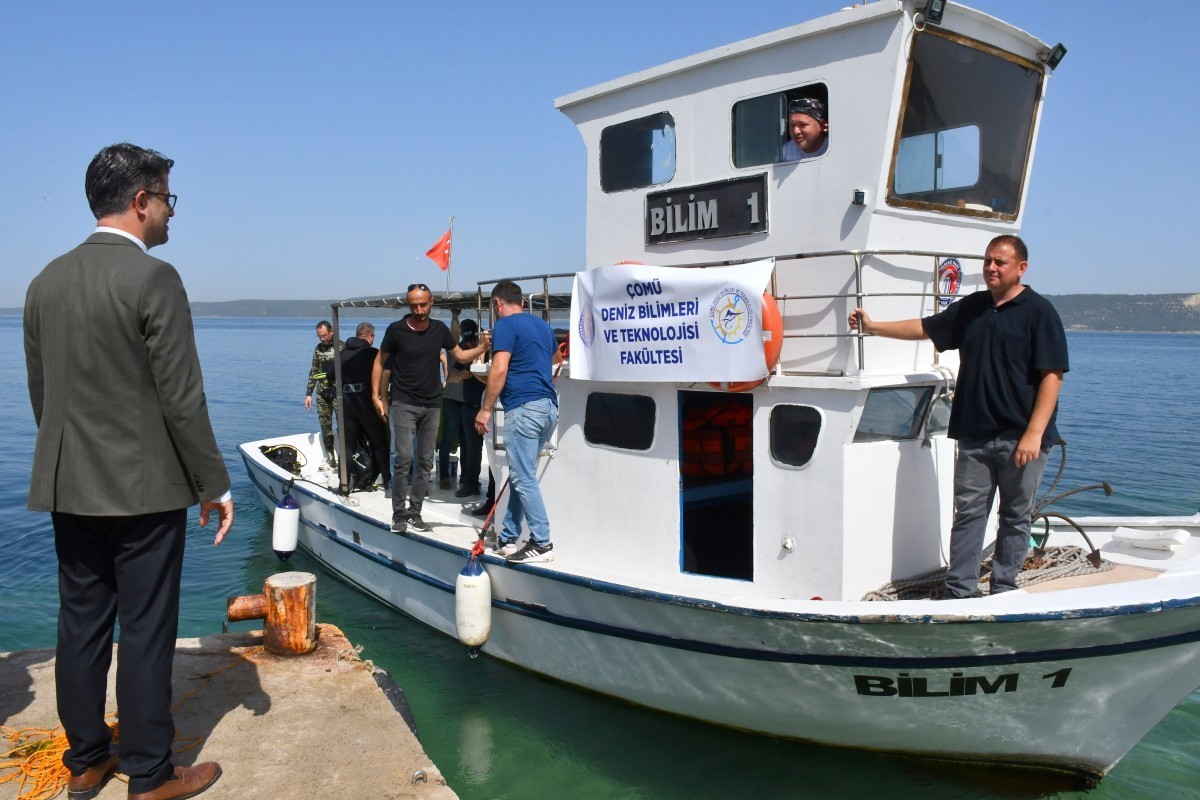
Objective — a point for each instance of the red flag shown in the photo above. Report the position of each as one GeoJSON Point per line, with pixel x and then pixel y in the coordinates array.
{"type": "Point", "coordinates": [440, 252]}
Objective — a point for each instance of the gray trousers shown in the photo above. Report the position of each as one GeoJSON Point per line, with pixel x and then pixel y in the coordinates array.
{"type": "Point", "coordinates": [410, 479]}
{"type": "Point", "coordinates": [982, 468]}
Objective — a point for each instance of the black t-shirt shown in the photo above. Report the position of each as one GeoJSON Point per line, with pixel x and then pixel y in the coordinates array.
{"type": "Point", "coordinates": [412, 356]}
{"type": "Point", "coordinates": [1003, 352]}
{"type": "Point", "coordinates": [473, 388]}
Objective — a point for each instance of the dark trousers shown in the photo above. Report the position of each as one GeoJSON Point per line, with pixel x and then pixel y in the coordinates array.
{"type": "Point", "coordinates": [470, 459]}
{"type": "Point", "coordinates": [118, 569]}
{"type": "Point", "coordinates": [452, 415]}
{"type": "Point", "coordinates": [414, 436]}
{"type": "Point", "coordinates": [364, 420]}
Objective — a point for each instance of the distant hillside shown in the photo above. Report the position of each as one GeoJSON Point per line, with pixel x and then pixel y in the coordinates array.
{"type": "Point", "coordinates": [1150, 313]}
{"type": "Point", "coordinates": [317, 309]}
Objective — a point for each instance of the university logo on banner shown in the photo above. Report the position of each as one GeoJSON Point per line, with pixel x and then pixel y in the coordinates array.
{"type": "Point", "coordinates": [633, 322]}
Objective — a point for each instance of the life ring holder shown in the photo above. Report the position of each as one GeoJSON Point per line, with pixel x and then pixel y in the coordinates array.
{"type": "Point", "coordinates": [772, 325]}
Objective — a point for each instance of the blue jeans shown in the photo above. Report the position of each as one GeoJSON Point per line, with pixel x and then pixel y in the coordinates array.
{"type": "Point", "coordinates": [527, 428]}
{"type": "Point", "coordinates": [412, 486]}
{"type": "Point", "coordinates": [982, 468]}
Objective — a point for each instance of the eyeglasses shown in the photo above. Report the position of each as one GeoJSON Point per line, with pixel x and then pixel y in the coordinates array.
{"type": "Point", "coordinates": [420, 286]}
{"type": "Point", "coordinates": [169, 199]}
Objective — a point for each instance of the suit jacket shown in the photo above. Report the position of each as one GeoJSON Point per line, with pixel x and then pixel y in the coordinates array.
{"type": "Point", "coordinates": [115, 384]}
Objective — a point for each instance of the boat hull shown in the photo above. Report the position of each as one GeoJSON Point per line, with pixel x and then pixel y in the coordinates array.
{"type": "Point", "coordinates": [1067, 687]}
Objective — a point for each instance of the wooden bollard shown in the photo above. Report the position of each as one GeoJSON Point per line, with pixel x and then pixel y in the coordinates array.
{"type": "Point", "coordinates": [288, 605]}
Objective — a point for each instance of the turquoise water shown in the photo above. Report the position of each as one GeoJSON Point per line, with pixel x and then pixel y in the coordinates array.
{"type": "Point", "coordinates": [496, 732]}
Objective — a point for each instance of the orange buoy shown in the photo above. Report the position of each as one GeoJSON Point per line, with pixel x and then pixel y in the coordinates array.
{"type": "Point", "coordinates": [772, 325]}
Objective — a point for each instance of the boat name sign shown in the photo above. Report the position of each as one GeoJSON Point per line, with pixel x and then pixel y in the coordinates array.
{"type": "Point", "coordinates": [735, 207]}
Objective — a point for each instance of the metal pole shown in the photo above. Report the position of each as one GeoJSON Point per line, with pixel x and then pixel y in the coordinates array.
{"type": "Point", "coordinates": [858, 294]}
{"type": "Point", "coordinates": [339, 408]}
{"type": "Point", "coordinates": [449, 255]}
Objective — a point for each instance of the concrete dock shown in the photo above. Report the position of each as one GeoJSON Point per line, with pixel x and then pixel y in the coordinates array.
{"type": "Point", "coordinates": [321, 725]}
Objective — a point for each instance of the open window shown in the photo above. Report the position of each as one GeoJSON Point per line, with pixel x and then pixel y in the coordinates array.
{"type": "Point", "coordinates": [966, 128]}
{"type": "Point", "coordinates": [760, 124]}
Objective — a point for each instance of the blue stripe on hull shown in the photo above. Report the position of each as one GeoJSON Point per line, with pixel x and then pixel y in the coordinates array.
{"type": "Point", "coordinates": [812, 659]}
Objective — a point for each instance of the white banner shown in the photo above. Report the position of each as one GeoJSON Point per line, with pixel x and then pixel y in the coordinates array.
{"type": "Point", "coordinates": [632, 322]}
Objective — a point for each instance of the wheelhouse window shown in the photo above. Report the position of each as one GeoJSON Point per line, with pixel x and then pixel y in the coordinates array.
{"type": "Point", "coordinates": [965, 129]}
{"type": "Point", "coordinates": [760, 124]}
{"type": "Point", "coordinates": [893, 413]}
{"type": "Point", "coordinates": [794, 432]}
{"type": "Point", "coordinates": [637, 153]}
{"type": "Point", "coordinates": [625, 421]}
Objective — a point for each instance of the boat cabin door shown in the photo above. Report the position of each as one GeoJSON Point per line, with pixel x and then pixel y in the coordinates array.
{"type": "Point", "coordinates": [716, 484]}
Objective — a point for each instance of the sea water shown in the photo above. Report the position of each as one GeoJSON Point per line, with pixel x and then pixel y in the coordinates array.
{"type": "Point", "coordinates": [1129, 415]}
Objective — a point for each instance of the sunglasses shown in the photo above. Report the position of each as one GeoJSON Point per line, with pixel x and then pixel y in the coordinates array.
{"type": "Point", "coordinates": [420, 286]}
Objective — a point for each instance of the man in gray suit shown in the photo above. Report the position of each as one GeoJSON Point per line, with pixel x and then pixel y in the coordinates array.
{"type": "Point", "coordinates": [124, 446]}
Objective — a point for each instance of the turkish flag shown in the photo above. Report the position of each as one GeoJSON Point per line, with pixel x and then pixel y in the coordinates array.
{"type": "Point", "coordinates": [440, 252]}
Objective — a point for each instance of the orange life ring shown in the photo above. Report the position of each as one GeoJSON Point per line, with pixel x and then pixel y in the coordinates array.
{"type": "Point", "coordinates": [772, 325]}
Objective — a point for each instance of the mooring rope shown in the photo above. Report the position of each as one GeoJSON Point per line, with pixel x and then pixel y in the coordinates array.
{"type": "Point", "coordinates": [1058, 562]}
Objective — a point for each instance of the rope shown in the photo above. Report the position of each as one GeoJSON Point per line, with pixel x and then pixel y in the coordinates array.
{"type": "Point", "coordinates": [33, 758]}
{"type": "Point", "coordinates": [1058, 562]}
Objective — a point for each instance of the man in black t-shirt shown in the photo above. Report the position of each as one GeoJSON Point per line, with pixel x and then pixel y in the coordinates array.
{"type": "Point", "coordinates": [411, 349]}
{"type": "Point", "coordinates": [1013, 354]}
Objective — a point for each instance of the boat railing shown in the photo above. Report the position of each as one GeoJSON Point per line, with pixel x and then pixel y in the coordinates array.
{"type": "Point", "coordinates": [544, 302]}
{"type": "Point", "coordinates": [862, 262]}
{"type": "Point", "coordinates": [860, 294]}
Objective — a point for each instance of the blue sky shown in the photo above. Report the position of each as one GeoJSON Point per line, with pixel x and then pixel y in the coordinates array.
{"type": "Point", "coordinates": [321, 148]}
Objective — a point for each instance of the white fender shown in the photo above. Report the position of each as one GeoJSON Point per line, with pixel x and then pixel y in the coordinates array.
{"type": "Point", "coordinates": [473, 604]}
{"type": "Point", "coordinates": [286, 528]}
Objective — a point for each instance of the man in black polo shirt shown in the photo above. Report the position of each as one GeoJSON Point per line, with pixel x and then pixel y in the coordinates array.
{"type": "Point", "coordinates": [1013, 353]}
{"type": "Point", "coordinates": [411, 349]}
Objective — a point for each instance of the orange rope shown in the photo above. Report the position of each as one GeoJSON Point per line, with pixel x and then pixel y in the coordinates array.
{"type": "Point", "coordinates": [33, 756]}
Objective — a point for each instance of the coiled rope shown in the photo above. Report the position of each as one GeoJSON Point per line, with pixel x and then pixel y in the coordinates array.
{"type": "Point", "coordinates": [33, 756]}
{"type": "Point", "coordinates": [1058, 562]}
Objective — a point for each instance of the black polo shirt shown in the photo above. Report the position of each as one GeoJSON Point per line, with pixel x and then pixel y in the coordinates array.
{"type": "Point", "coordinates": [1002, 354]}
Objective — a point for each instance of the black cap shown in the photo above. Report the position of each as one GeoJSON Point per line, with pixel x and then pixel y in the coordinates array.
{"type": "Point", "coordinates": [468, 328]}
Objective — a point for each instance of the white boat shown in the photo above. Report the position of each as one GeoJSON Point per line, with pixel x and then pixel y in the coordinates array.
{"type": "Point", "coordinates": [712, 547]}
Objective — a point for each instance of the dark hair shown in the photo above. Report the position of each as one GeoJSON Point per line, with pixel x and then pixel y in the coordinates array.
{"type": "Point", "coordinates": [324, 324]}
{"type": "Point", "coordinates": [1014, 242]}
{"type": "Point", "coordinates": [119, 172]}
{"type": "Point", "coordinates": [508, 292]}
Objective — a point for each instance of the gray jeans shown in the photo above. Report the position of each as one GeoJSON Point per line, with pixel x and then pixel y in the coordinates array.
{"type": "Point", "coordinates": [410, 479]}
{"type": "Point", "coordinates": [983, 467]}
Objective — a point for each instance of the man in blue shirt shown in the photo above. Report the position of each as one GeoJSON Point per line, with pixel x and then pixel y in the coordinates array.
{"type": "Point", "coordinates": [524, 353]}
{"type": "Point", "coordinates": [1013, 356]}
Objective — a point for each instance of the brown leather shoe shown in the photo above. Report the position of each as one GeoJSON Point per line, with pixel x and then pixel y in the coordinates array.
{"type": "Point", "coordinates": [89, 784]}
{"type": "Point", "coordinates": [188, 782]}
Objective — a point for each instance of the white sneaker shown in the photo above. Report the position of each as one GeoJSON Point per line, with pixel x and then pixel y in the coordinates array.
{"type": "Point", "coordinates": [506, 549]}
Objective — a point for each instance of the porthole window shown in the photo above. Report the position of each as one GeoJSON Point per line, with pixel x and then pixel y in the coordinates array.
{"type": "Point", "coordinates": [794, 433]}
{"type": "Point", "coordinates": [619, 420]}
{"type": "Point", "coordinates": [637, 153]}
